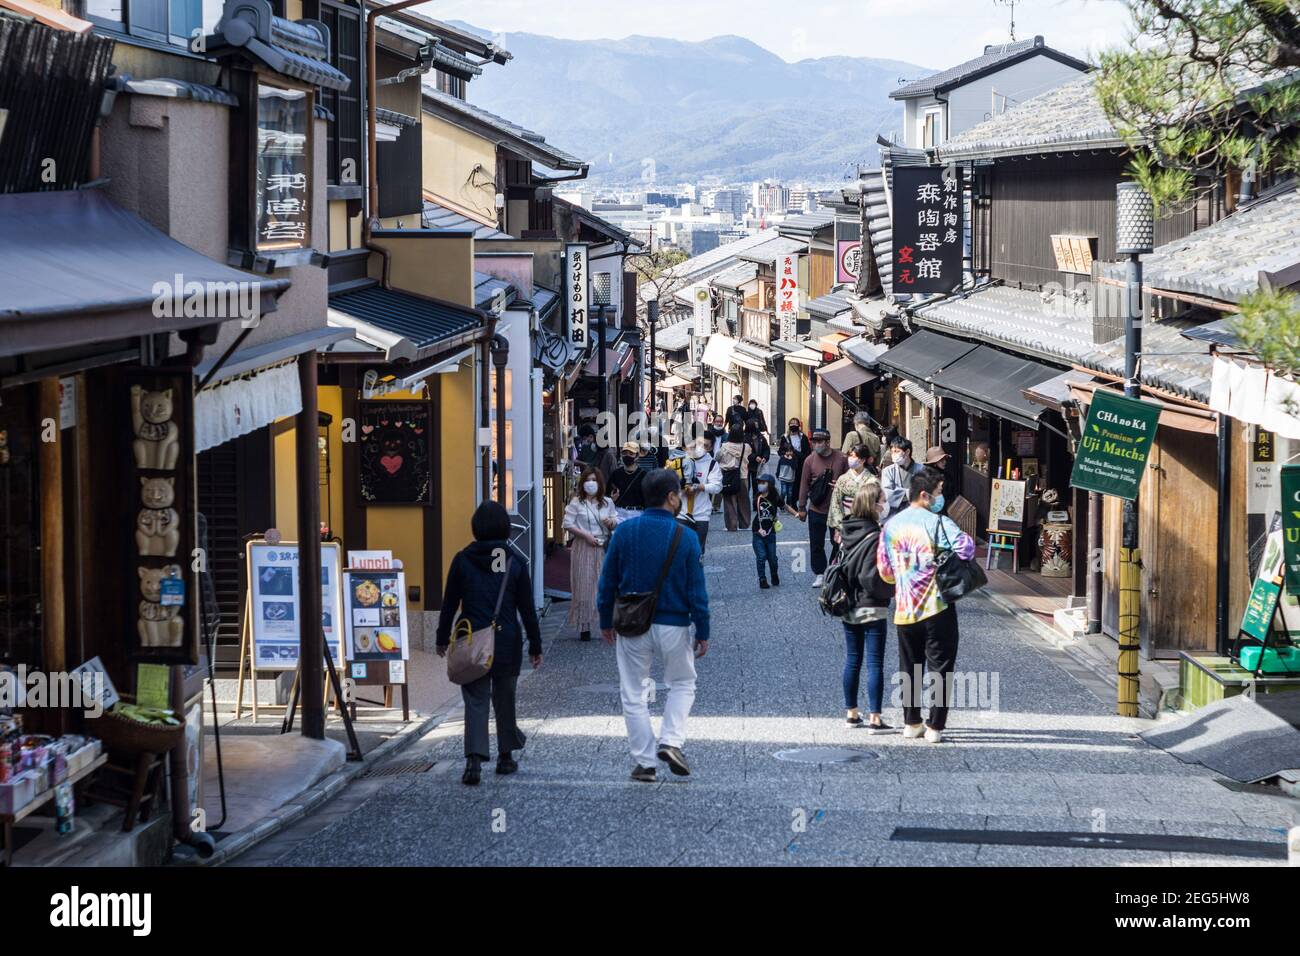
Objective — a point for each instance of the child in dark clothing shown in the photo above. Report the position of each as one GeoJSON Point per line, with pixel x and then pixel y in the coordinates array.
{"type": "Point", "coordinates": [767, 509]}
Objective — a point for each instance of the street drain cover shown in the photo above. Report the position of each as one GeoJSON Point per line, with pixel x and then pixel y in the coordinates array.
{"type": "Point", "coordinates": [611, 688]}
{"type": "Point", "coordinates": [824, 755]}
{"type": "Point", "coordinates": [398, 769]}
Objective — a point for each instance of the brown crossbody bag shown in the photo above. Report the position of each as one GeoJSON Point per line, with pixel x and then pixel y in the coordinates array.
{"type": "Point", "coordinates": [634, 613]}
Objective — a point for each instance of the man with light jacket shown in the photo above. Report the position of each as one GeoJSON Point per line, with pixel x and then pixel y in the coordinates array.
{"type": "Point", "coordinates": [896, 478]}
{"type": "Point", "coordinates": [679, 631]}
{"type": "Point", "coordinates": [702, 480]}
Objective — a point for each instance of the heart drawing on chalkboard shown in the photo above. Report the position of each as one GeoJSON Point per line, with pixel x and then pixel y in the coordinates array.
{"type": "Point", "coordinates": [391, 463]}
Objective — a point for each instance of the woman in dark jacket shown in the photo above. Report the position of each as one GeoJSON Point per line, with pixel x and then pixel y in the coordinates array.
{"type": "Point", "coordinates": [791, 452]}
{"type": "Point", "coordinates": [867, 623]}
{"type": "Point", "coordinates": [759, 452]}
{"type": "Point", "coordinates": [473, 583]}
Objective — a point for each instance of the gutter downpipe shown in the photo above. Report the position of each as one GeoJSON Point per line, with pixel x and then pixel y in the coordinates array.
{"type": "Point", "coordinates": [1221, 640]}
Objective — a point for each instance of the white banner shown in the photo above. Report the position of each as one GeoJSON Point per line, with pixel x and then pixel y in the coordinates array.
{"type": "Point", "coordinates": [787, 295]}
{"type": "Point", "coordinates": [575, 292]}
{"type": "Point", "coordinates": [703, 310]}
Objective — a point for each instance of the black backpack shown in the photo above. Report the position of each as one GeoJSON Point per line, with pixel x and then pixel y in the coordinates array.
{"type": "Point", "coordinates": [836, 597]}
{"type": "Point", "coordinates": [731, 481]}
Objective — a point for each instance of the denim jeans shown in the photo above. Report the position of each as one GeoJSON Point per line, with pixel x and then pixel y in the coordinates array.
{"type": "Point", "coordinates": [787, 490]}
{"type": "Point", "coordinates": [868, 637]}
{"type": "Point", "coordinates": [765, 554]}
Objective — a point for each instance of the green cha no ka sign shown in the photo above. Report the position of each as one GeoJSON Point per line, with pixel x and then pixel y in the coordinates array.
{"type": "Point", "coordinates": [1291, 527]}
{"type": "Point", "coordinates": [1116, 441]}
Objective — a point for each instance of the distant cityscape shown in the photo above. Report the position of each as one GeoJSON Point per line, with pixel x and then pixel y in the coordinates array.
{"type": "Point", "coordinates": [698, 217]}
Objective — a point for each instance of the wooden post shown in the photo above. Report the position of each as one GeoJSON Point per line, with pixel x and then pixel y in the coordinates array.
{"type": "Point", "coordinates": [311, 639]}
{"type": "Point", "coordinates": [50, 470]}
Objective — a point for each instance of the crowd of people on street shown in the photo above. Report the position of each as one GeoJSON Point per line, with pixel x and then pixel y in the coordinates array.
{"type": "Point", "coordinates": [638, 525]}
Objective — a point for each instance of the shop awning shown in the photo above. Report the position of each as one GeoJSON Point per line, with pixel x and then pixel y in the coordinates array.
{"type": "Point", "coordinates": [402, 325]}
{"type": "Point", "coordinates": [867, 354]}
{"type": "Point", "coordinates": [718, 352]}
{"type": "Point", "coordinates": [922, 354]}
{"type": "Point", "coordinates": [921, 393]}
{"type": "Point", "coordinates": [262, 356]}
{"type": "Point", "coordinates": [813, 358]}
{"type": "Point", "coordinates": [756, 358]}
{"type": "Point", "coordinates": [243, 404]}
{"type": "Point", "coordinates": [670, 383]}
{"type": "Point", "coordinates": [843, 376]}
{"type": "Point", "coordinates": [616, 363]}
{"type": "Point", "coordinates": [77, 270]}
{"type": "Point", "coordinates": [1055, 392]}
{"type": "Point", "coordinates": [992, 381]}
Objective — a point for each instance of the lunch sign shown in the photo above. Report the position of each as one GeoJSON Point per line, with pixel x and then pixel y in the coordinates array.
{"type": "Point", "coordinates": [1115, 444]}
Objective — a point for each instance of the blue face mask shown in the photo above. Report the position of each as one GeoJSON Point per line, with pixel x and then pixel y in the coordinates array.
{"type": "Point", "coordinates": [936, 504]}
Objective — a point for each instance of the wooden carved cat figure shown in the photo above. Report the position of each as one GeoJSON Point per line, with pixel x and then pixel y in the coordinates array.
{"type": "Point", "coordinates": [160, 625]}
{"type": "Point", "coordinates": [157, 442]}
{"type": "Point", "coordinates": [157, 526]}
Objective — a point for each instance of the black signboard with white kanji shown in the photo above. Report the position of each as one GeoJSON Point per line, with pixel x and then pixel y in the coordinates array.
{"type": "Point", "coordinates": [927, 230]}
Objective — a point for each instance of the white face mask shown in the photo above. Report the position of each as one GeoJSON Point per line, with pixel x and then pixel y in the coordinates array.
{"type": "Point", "coordinates": [855, 463]}
{"type": "Point", "coordinates": [590, 487]}
{"type": "Point", "coordinates": [882, 508]}
{"type": "Point", "coordinates": [697, 453]}
{"type": "Point", "coordinates": [762, 486]}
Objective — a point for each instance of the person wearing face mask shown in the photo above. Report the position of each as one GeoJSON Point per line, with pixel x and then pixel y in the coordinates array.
{"type": "Point", "coordinates": [589, 453]}
{"type": "Point", "coordinates": [736, 412]}
{"type": "Point", "coordinates": [767, 510]}
{"type": "Point", "coordinates": [759, 452]}
{"type": "Point", "coordinates": [846, 490]}
{"type": "Point", "coordinates": [703, 483]}
{"type": "Point", "coordinates": [926, 623]}
{"type": "Point", "coordinates": [821, 470]}
{"type": "Point", "coordinates": [625, 483]}
{"type": "Point", "coordinates": [754, 415]}
{"type": "Point", "coordinates": [863, 434]}
{"type": "Point", "coordinates": [791, 450]}
{"type": "Point", "coordinates": [589, 517]}
{"type": "Point", "coordinates": [896, 477]}
{"type": "Point", "coordinates": [866, 624]}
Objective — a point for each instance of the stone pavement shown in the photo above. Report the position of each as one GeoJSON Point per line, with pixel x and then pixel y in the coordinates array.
{"type": "Point", "coordinates": [1043, 753]}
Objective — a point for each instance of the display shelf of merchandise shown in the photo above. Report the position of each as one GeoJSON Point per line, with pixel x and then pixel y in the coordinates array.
{"type": "Point", "coordinates": [9, 819]}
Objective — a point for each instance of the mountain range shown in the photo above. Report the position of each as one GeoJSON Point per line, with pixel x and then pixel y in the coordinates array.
{"type": "Point", "coordinates": [655, 110]}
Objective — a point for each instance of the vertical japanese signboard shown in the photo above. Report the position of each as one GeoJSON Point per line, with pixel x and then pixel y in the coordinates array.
{"type": "Point", "coordinates": [283, 123]}
{"type": "Point", "coordinates": [1291, 527]}
{"type": "Point", "coordinates": [1115, 444]}
{"type": "Point", "coordinates": [703, 303]}
{"type": "Point", "coordinates": [575, 291]}
{"type": "Point", "coordinates": [848, 250]}
{"type": "Point", "coordinates": [787, 295]}
{"type": "Point", "coordinates": [927, 230]}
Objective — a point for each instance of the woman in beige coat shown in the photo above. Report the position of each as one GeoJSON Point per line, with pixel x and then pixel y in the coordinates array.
{"type": "Point", "coordinates": [735, 454]}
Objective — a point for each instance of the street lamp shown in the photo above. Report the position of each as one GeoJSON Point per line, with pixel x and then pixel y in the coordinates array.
{"type": "Point", "coordinates": [600, 296]}
{"type": "Point", "coordinates": [1134, 235]}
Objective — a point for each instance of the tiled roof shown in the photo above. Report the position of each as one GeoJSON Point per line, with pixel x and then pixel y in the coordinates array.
{"type": "Point", "coordinates": [805, 225]}
{"type": "Point", "coordinates": [1059, 329]}
{"type": "Point", "coordinates": [993, 58]}
{"type": "Point", "coordinates": [544, 301]}
{"type": "Point", "coordinates": [423, 322]}
{"type": "Point", "coordinates": [675, 337]}
{"type": "Point", "coordinates": [524, 141]}
{"type": "Point", "coordinates": [715, 260]}
{"type": "Point", "coordinates": [440, 217]}
{"type": "Point", "coordinates": [486, 288]}
{"type": "Point", "coordinates": [766, 253]}
{"type": "Point", "coordinates": [1223, 261]}
{"type": "Point", "coordinates": [736, 276]}
{"type": "Point", "coordinates": [1065, 118]}
{"type": "Point", "coordinates": [830, 305]}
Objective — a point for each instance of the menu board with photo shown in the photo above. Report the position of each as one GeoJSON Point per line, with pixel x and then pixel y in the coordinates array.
{"type": "Point", "coordinates": [376, 615]}
{"type": "Point", "coordinates": [274, 608]}
{"type": "Point", "coordinates": [283, 171]}
{"type": "Point", "coordinates": [1007, 505]}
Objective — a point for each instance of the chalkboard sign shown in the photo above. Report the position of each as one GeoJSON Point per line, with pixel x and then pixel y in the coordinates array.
{"type": "Point", "coordinates": [395, 453]}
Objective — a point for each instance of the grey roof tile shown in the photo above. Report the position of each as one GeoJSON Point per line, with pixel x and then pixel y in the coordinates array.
{"type": "Point", "coordinates": [437, 216]}
{"type": "Point", "coordinates": [993, 58]}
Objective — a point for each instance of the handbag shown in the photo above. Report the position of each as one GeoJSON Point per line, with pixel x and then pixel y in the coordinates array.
{"type": "Point", "coordinates": [955, 575]}
{"type": "Point", "coordinates": [471, 652]}
{"type": "Point", "coordinates": [634, 613]}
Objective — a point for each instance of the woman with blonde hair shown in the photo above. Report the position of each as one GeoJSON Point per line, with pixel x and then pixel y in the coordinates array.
{"type": "Point", "coordinates": [589, 517]}
{"type": "Point", "coordinates": [866, 623]}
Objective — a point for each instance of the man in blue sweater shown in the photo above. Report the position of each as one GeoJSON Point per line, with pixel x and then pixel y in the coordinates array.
{"type": "Point", "coordinates": [634, 561]}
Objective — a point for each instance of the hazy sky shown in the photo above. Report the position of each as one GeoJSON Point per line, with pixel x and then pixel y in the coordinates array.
{"type": "Point", "coordinates": [931, 33]}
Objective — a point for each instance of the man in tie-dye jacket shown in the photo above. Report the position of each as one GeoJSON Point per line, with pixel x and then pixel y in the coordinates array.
{"type": "Point", "coordinates": [926, 623]}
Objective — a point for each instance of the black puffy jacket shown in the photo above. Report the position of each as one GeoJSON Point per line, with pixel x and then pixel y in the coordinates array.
{"type": "Point", "coordinates": [858, 540]}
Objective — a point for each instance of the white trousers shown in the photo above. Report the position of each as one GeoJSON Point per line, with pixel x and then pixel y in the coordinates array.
{"type": "Point", "coordinates": [675, 645]}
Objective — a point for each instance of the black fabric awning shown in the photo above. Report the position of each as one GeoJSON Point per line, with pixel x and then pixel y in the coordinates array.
{"type": "Point", "coordinates": [923, 354]}
{"type": "Point", "coordinates": [77, 270]}
{"type": "Point", "coordinates": [993, 381]}
{"type": "Point", "coordinates": [843, 376]}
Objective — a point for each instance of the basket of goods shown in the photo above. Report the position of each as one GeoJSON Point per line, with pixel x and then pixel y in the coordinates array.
{"type": "Point", "coordinates": [131, 728]}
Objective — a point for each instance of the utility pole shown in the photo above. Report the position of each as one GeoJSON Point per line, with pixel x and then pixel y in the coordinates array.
{"type": "Point", "coordinates": [600, 296]}
{"type": "Point", "coordinates": [1134, 236]}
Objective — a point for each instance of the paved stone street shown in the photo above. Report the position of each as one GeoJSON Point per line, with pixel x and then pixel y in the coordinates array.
{"type": "Point", "coordinates": [1050, 756]}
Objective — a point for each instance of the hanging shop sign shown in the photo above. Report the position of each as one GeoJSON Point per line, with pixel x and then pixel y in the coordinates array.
{"type": "Point", "coordinates": [703, 311]}
{"type": "Point", "coordinates": [1115, 444]}
{"type": "Point", "coordinates": [1291, 527]}
{"type": "Point", "coordinates": [395, 453]}
{"type": "Point", "coordinates": [927, 230]}
{"type": "Point", "coordinates": [787, 296]}
{"type": "Point", "coordinates": [848, 257]}
{"type": "Point", "coordinates": [273, 613]}
{"type": "Point", "coordinates": [284, 120]}
{"type": "Point", "coordinates": [575, 293]}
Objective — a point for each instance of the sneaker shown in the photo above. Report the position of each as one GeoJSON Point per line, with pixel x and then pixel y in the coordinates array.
{"type": "Point", "coordinates": [643, 774]}
{"type": "Point", "coordinates": [880, 728]}
{"type": "Point", "coordinates": [676, 761]}
{"type": "Point", "coordinates": [933, 736]}
{"type": "Point", "coordinates": [762, 583]}
{"type": "Point", "coordinates": [854, 721]}
{"type": "Point", "coordinates": [817, 581]}
{"type": "Point", "coordinates": [506, 764]}
{"type": "Point", "coordinates": [472, 770]}
{"type": "Point", "coordinates": [912, 731]}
